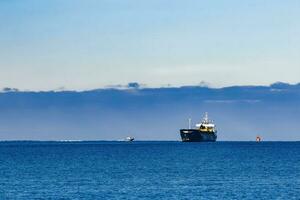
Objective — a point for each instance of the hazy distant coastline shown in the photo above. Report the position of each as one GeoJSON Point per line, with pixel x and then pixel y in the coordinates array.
{"type": "Point", "coordinates": [240, 112]}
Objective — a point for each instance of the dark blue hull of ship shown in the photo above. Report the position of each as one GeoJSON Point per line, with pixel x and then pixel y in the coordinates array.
{"type": "Point", "coordinates": [195, 135]}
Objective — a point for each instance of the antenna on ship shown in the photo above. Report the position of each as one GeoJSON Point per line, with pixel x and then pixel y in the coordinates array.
{"type": "Point", "coordinates": [206, 117]}
{"type": "Point", "coordinates": [190, 123]}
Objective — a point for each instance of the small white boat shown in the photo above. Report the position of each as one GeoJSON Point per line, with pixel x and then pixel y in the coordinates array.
{"type": "Point", "coordinates": [129, 139]}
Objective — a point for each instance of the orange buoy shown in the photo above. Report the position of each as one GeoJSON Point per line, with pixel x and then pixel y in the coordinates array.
{"type": "Point", "coordinates": [258, 139]}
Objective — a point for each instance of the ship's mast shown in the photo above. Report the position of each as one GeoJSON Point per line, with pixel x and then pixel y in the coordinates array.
{"type": "Point", "coordinates": [206, 117]}
{"type": "Point", "coordinates": [190, 123]}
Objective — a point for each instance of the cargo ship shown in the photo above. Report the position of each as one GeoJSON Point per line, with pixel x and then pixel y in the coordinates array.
{"type": "Point", "coordinates": [205, 131]}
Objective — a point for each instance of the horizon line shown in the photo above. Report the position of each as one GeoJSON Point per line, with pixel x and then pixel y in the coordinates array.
{"type": "Point", "coordinates": [102, 140]}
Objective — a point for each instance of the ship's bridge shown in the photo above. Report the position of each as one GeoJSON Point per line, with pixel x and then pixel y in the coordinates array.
{"type": "Point", "coordinates": [206, 125]}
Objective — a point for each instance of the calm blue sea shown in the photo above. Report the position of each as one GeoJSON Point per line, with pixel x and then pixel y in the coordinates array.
{"type": "Point", "coordinates": [149, 170]}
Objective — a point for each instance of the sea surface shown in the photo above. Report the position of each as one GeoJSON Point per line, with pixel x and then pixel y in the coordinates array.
{"type": "Point", "coordinates": [149, 170]}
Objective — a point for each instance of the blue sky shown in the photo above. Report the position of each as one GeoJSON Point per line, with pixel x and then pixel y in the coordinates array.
{"type": "Point", "coordinates": [89, 44]}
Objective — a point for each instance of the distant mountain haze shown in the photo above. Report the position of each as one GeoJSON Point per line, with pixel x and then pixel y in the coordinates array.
{"type": "Point", "coordinates": [240, 112]}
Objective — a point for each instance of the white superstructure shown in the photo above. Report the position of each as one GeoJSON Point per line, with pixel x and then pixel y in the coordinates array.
{"type": "Point", "coordinates": [206, 124]}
